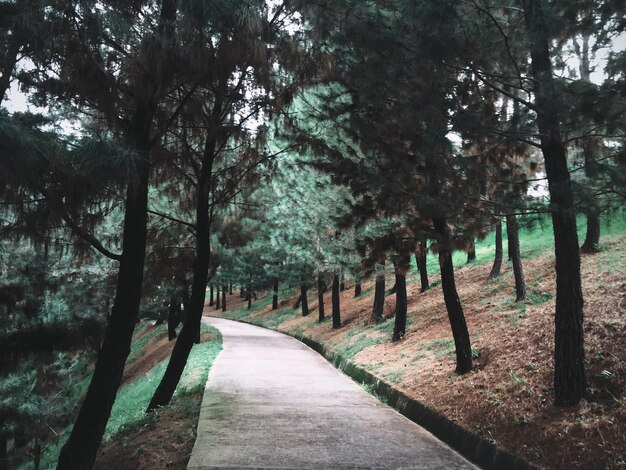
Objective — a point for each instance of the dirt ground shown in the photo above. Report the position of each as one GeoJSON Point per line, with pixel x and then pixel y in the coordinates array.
{"type": "Point", "coordinates": [507, 398]}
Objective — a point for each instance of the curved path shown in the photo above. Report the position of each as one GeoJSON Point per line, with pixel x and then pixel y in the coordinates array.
{"type": "Point", "coordinates": [271, 402]}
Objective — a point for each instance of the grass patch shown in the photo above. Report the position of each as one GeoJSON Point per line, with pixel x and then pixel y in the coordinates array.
{"type": "Point", "coordinates": [128, 412]}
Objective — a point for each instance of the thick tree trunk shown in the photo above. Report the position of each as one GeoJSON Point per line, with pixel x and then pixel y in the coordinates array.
{"type": "Point", "coordinates": [512, 234]}
{"type": "Point", "coordinates": [211, 300]}
{"type": "Point", "coordinates": [497, 260]}
{"type": "Point", "coordinates": [224, 292]}
{"type": "Point", "coordinates": [320, 297]}
{"type": "Point", "coordinates": [357, 289]}
{"type": "Point", "coordinates": [335, 301]}
{"type": "Point", "coordinates": [275, 296]}
{"type": "Point", "coordinates": [471, 252]}
{"type": "Point", "coordinates": [303, 299]}
{"type": "Point", "coordinates": [592, 237]}
{"type": "Point", "coordinates": [379, 299]}
{"type": "Point", "coordinates": [399, 326]}
{"type": "Point", "coordinates": [570, 380]}
{"type": "Point", "coordinates": [79, 452]}
{"type": "Point", "coordinates": [420, 258]}
{"type": "Point", "coordinates": [453, 303]}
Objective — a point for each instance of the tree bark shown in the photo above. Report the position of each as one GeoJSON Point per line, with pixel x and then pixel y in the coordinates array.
{"type": "Point", "coordinates": [303, 299]}
{"type": "Point", "coordinates": [570, 380]}
{"type": "Point", "coordinates": [399, 326]}
{"type": "Point", "coordinates": [379, 299]}
{"type": "Point", "coordinates": [211, 300]}
{"type": "Point", "coordinates": [79, 452]}
{"type": "Point", "coordinates": [497, 260]}
{"type": "Point", "coordinates": [230, 289]}
{"type": "Point", "coordinates": [471, 252]}
{"type": "Point", "coordinates": [335, 301]}
{"type": "Point", "coordinates": [275, 295]}
{"type": "Point", "coordinates": [512, 234]}
{"type": "Point", "coordinates": [218, 301]}
{"type": "Point", "coordinates": [357, 289]}
{"type": "Point", "coordinates": [224, 292]}
{"type": "Point", "coordinates": [453, 303]}
{"type": "Point", "coordinates": [173, 317]}
{"type": "Point", "coordinates": [190, 331]}
{"type": "Point", "coordinates": [592, 236]}
{"type": "Point", "coordinates": [320, 297]}
{"type": "Point", "coordinates": [420, 258]}
{"type": "Point", "coordinates": [342, 283]}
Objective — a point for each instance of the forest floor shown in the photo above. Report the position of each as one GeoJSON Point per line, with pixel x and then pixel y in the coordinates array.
{"type": "Point", "coordinates": [507, 398]}
{"type": "Point", "coordinates": [162, 439]}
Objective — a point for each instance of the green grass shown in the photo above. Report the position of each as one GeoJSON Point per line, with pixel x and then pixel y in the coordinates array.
{"type": "Point", "coordinates": [132, 399]}
{"type": "Point", "coordinates": [533, 241]}
{"type": "Point", "coordinates": [352, 344]}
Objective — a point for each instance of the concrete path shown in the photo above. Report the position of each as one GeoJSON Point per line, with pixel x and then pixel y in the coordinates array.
{"type": "Point", "coordinates": [271, 402]}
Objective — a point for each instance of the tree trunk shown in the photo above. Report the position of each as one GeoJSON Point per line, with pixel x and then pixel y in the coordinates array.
{"type": "Point", "coordinates": [211, 300]}
{"type": "Point", "coordinates": [570, 380]}
{"type": "Point", "coordinates": [451, 297]}
{"type": "Point", "coordinates": [320, 297]}
{"type": "Point", "coordinates": [335, 301]}
{"type": "Point", "coordinates": [512, 233]}
{"type": "Point", "coordinates": [173, 317]}
{"type": "Point", "coordinates": [471, 252]}
{"type": "Point", "coordinates": [230, 289]}
{"type": "Point", "coordinates": [303, 299]}
{"type": "Point", "coordinates": [357, 289]}
{"type": "Point", "coordinates": [379, 299]}
{"type": "Point", "coordinates": [342, 283]}
{"type": "Point", "coordinates": [218, 303]}
{"type": "Point", "coordinates": [191, 328]}
{"type": "Point", "coordinates": [79, 452]}
{"type": "Point", "coordinates": [420, 259]}
{"type": "Point", "coordinates": [275, 296]}
{"type": "Point", "coordinates": [497, 261]}
{"type": "Point", "coordinates": [399, 326]}
{"type": "Point", "coordinates": [224, 292]}
{"type": "Point", "coordinates": [298, 302]}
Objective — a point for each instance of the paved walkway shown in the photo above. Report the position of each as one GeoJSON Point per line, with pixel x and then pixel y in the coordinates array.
{"type": "Point", "coordinates": [271, 402]}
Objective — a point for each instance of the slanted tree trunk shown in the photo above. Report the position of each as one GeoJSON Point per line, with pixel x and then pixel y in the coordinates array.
{"type": "Point", "coordinates": [320, 297]}
{"type": "Point", "coordinates": [379, 299]}
{"type": "Point", "coordinates": [298, 302]}
{"type": "Point", "coordinates": [275, 295]}
{"type": "Point", "coordinates": [224, 292]}
{"type": "Point", "coordinates": [335, 302]}
{"type": "Point", "coordinates": [512, 233]}
{"type": "Point", "coordinates": [497, 260]}
{"type": "Point", "coordinates": [357, 289]}
{"type": "Point", "coordinates": [570, 381]}
{"type": "Point", "coordinates": [471, 251]}
{"type": "Point", "coordinates": [420, 258]}
{"type": "Point", "coordinates": [190, 332]}
{"type": "Point", "coordinates": [453, 303]}
{"type": "Point", "coordinates": [211, 300]}
{"type": "Point", "coordinates": [79, 452]}
{"type": "Point", "coordinates": [303, 299]}
{"type": "Point", "coordinates": [399, 326]}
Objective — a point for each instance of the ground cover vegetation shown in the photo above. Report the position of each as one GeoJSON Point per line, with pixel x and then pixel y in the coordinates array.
{"type": "Point", "coordinates": [177, 150]}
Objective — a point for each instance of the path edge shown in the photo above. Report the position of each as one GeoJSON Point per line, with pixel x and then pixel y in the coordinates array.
{"type": "Point", "coordinates": [474, 448]}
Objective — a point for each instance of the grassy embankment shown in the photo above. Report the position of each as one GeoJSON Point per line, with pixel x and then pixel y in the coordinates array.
{"type": "Point", "coordinates": [160, 439]}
